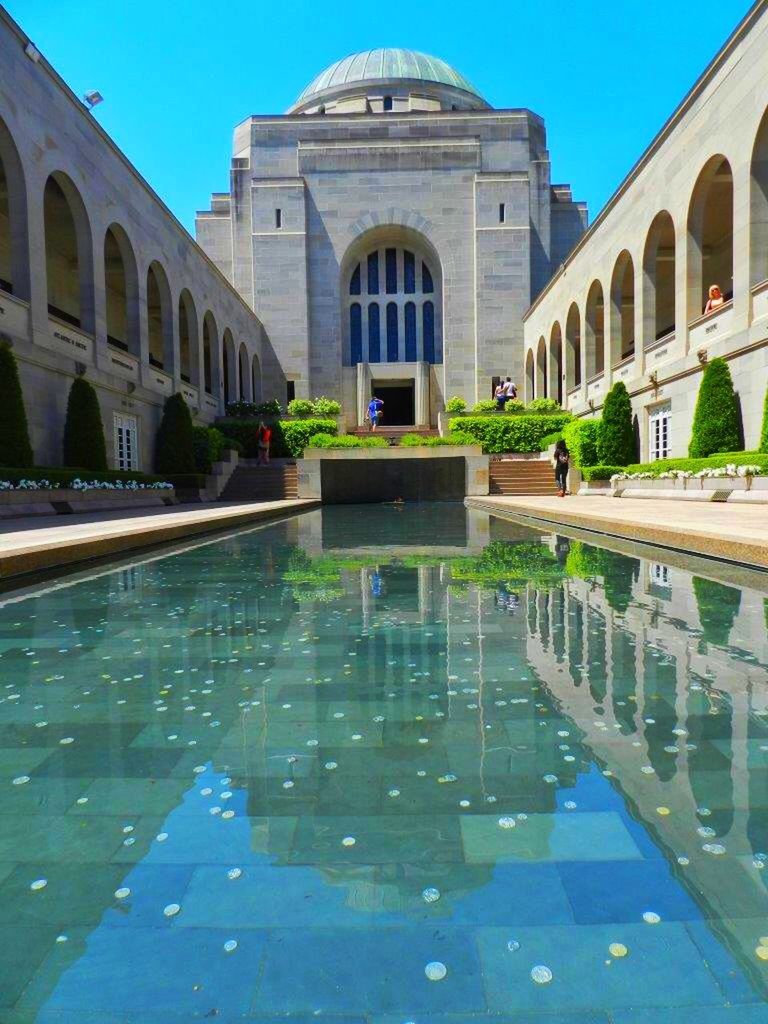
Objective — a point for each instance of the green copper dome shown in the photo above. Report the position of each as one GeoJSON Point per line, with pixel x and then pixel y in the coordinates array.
{"type": "Point", "coordinates": [370, 65]}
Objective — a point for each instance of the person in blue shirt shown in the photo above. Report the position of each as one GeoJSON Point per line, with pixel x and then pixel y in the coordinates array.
{"type": "Point", "coordinates": [375, 410]}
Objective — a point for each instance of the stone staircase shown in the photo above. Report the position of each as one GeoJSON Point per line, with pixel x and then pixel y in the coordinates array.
{"type": "Point", "coordinates": [521, 477]}
{"type": "Point", "coordinates": [250, 482]}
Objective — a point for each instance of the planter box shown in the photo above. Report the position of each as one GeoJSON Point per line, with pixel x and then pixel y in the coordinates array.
{"type": "Point", "coordinates": [62, 500]}
{"type": "Point", "coordinates": [731, 489]}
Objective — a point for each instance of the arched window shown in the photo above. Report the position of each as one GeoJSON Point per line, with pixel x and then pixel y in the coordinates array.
{"type": "Point", "coordinates": [710, 235]}
{"type": "Point", "coordinates": [529, 378]}
{"type": "Point", "coordinates": [759, 206]}
{"type": "Point", "coordinates": [210, 346]}
{"type": "Point", "coordinates": [121, 288]}
{"type": "Point", "coordinates": [659, 279]}
{"type": "Point", "coordinates": [14, 246]}
{"type": "Point", "coordinates": [244, 376]}
{"type": "Point", "coordinates": [159, 321]}
{"type": "Point", "coordinates": [594, 331]}
{"type": "Point", "coordinates": [556, 363]}
{"type": "Point", "coordinates": [230, 369]}
{"type": "Point", "coordinates": [573, 347]}
{"type": "Point", "coordinates": [409, 323]}
{"type": "Point", "coordinates": [256, 379]}
{"type": "Point", "coordinates": [623, 309]}
{"type": "Point", "coordinates": [187, 338]}
{"type": "Point", "coordinates": [68, 254]}
{"type": "Point", "coordinates": [387, 102]}
{"type": "Point", "coordinates": [541, 369]}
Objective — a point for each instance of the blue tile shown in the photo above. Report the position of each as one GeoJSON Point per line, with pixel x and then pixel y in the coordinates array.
{"type": "Point", "coordinates": [617, 891]}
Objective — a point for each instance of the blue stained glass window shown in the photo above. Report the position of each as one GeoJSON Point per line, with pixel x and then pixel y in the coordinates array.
{"type": "Point", "coordinates": [429, 332]}
{"type": "Point", "coordinates": [354, 283]}
{"type": "Point", "coordinates": [426, 279]}
{"type": "Point", "coordinates": [410, 333]}
{"type": "Point", "coordinates": [374, 334]}
{"type": "Point", "coordinates": [409, 272]}
{"type": "Point", "coordinates": [373, 273]}
{"type": "Point", "coordinates": [392, 340]}
{"type": "Point", "coordinates": [391, 261]}
{"type": "Point", "coordinates": [355, 333]}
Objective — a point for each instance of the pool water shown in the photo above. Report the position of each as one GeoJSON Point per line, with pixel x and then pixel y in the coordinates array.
{"type": "Point", "coordinates": [392, 764]}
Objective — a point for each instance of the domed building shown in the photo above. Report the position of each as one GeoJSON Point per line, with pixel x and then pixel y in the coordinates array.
{"type": "Point", "coordinates": [390, 230]}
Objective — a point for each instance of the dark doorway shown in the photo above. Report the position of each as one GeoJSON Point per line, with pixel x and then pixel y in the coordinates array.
{"type": "Point", "coordinates": [399, 405]}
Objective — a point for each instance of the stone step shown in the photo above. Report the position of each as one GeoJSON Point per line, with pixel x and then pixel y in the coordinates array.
{"type": "Point", "coordinates": [262, 483]}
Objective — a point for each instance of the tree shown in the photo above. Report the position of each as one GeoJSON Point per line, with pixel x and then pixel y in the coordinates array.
{"type": "Point", "coordinates": [15, 449]}
{"type": "Point", "coordinates": [174, 446]}
{"type": "Point", "coordinates": [84, 446]}
{"type": "Point", "coordinates": [716, 421]}
{"type": "Point", "coordinates": [616, 439]}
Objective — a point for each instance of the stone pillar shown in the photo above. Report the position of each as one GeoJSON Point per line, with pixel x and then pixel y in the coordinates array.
{"type": "Point", "coordinates": [421, 398]}
{"type": "Point", "coordinates": [363, 391]}
{"type": "Point", "coordinates": [741, 243]}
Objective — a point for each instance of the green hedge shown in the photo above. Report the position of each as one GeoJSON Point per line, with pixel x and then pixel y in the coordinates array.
{"type": "Point", "coordinates": [716, 420]}
{"type": "Point", "coordinates": [15, 448]}
{"type": "Point", "coordinates": [84, 443]}
{"type": "Point", "coordinates": [543, 407]}
{"type": "Point", "coordinates": [455, 437]}
{"type": "Point", "coordinates": [616, 437]}
{"type": "Point", "coordinates": [208, 444]}
{"type": "Point", "coordinates": [174, 447]}
{"type": "Point", "coordinates": [289, 437]}
{"type": "Point", "coordinates": [690, 465]}
{"type": "Point", "coordinates": [499, 434]}
{"type": "Point", "coordinates": [581, 437]}
{"type": "Point", "coordinates": [346, 441]}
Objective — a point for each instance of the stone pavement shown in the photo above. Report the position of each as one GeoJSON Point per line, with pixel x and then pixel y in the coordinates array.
{"type": "Point", "coordinates": [30, 545]}
{"type": "Point", "coordinates": [714, 529]}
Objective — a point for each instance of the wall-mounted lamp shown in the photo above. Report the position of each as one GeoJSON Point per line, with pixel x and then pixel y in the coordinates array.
{"type": "Point", "coordinates": [591, 405]}
{"type": "Point", "coordinates": [701, 355]}
{"type": "Point", "coordinates": [80, 369]}
{"type": "Point", "coordinates": [130, 387]}
{"type": "Point", "coordinates": [653, 377]}
{"type": "Point", "coordinates": [93, 99]}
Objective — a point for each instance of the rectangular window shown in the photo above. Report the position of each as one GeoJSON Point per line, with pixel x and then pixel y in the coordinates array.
{"type": "Point", "coordinates": [390, 257]}
{"type": "Point", "coordinates": [373, 273]}
{"type": "Point", "coordinates": [409, 272]}
{"type": "Point", "coordinates": [278, 218]}
{"type": "Point", "coordinates": [290, 389]}
{"type": "Point", "coordinates": [126, 442]}
{"type": "Point", "coordinates": [660, 426]}
{"type": "Point", "coordinates": [502, 212]}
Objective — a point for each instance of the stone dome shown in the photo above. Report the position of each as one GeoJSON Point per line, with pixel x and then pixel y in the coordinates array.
{"type": "Point", "coordinates": [386, 65]}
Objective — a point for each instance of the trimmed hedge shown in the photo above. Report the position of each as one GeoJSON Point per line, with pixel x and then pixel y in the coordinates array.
{"type": "Point", "coordinates": [245, 410]}
{"type": "Point", "coordinates": [456, 437]}
{"type": "Point", "coordinates": [346, 441]}
{"type": "Point", "coordinates": [455, 404]}
{"type": "Point", "coordinates": [543, 407]}
{"type": "Point", "coordinates": [174, 448]}
{"type": "Point", "coordinates": [499, 434]}
{"type": "Point", "coordinates": [289, 437]}
{"type": "Point", "coordinates": [582, 436]}
{"type": "Point", "coordinates": [15, 449]}
{"type": "Point", "coordinates": [717, 420]}
{"type": "Point", "coordinates": [616, 437]}
{"type": "Point", "coordinates": [84, 443]}
{"type": "Point", "coordinates": [208, 444]}
{"type": "Point", "coordinates": [692, 465]}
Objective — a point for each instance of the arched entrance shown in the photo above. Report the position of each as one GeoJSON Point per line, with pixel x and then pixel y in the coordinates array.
{"type": "Point", "coordinates": [391, 289]}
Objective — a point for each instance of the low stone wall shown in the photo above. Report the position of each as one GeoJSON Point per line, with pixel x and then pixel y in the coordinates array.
{"type": "Point", "coordinates": [64, 500]}
{"type": "Point", "coordinates": [385, 474]}
{"type": "Point", "coordinates": [734, 490]}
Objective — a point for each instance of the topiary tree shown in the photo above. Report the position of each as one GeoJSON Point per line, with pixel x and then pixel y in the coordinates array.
{"type": "Point", "coordinates": [15, 449]}
{"type": "Point", "coordinates": [174, 445]}
{"type": "Point", "coordinates": [84, 446]}
{"type": "Point", "coordinates": [616, 437]}
{"type": "Point", "coordinates": [718, 606]}
{"type": "Point", "coordinates": [763, 447]}
{"type": "Point", "coordinates": [717, 420]}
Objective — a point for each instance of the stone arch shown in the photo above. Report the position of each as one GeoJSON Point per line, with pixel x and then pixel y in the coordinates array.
{"type": "Point", "coordinates": [392, 297]}
{"type": "Point", "coordinates": [121, 291]}
{"type": "Point", "coordinates": [230, 367]}
{"type": "Point", "coordinates": [14, 236]}
{"type": "Point", "coordinates": [556, 363]}
{"type": "Point", "coordinates": [573, 347]}
{"type": "Point", "coordinates": [256, 380]}
{"type": "Point", "coordinates": [159, 318]}
{"type": "Point", "coordinates": [68, 253]}
{"type": "Point", "coordinates": [243, 374]}
{"type": "Point", "coordinates": [758, 263]}
{"type": "Point", "coordinates": [622, 308]}
{"type": "Point", "coordinates": [659, 279]}
{"type": "Point", "coordinates": [189, 342]}
{"type": "Point", "coordinates": [594, 330]}
{"type": "Point", "coordinates": [529, 376]}
{"type": "Point", "coordinates": [210, 353]}
{"type": "Point", "coordinates": [541, 369]}
{"type": "Point", "coordinates": [710, 234]}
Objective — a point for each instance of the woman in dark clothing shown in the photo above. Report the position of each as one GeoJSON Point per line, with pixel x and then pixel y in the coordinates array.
{"type": "Point", "coordinates": [562, 460]}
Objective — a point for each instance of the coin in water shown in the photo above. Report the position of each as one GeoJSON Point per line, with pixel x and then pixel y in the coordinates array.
{"type": "Point", "coordinates": [541, 975]}
{"type": "Point", "coordinates": [431, 895]}
{"type": "Point", "coordinates": [650, 917]}
{"type": "Point", "coordinates": [435, 971]}
{"type": "Point", "coordinates": [172, 910]}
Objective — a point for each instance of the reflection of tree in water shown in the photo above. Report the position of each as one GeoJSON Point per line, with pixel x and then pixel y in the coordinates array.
{"type": "Point", "coordinates": [710, 728]}
{"type": "Point", "coordinates": [624, 689]}
{"type": "Point", "coordinates": [718, 607]}
{"type": "Point", "coordinates": [660, 691]}
{"type": "Point", "coordinates": [619, 572]}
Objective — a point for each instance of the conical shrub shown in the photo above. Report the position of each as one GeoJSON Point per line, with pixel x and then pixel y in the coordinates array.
{"type": "Point", "coordinates": [616, 439]}
{"type": "Point", "coordinates": [84, 446]}
{"type": "Point", "coordinates": [716, 421]}
{"type": "Point", "coordinates": [174, 447]}
{"type": "Point", "coordinates": [15, 449]}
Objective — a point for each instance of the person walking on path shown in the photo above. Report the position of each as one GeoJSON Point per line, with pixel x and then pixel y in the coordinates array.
{"type": "Point", "coordinates": [375, 411]}
{"type": "Point", "coordinates": [263, 442]}
{"type": "Point", "coordinates": [562, 461]}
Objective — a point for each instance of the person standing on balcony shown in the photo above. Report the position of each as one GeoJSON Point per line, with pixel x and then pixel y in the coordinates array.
{"type": "Point", "coordinates": [715, 300]}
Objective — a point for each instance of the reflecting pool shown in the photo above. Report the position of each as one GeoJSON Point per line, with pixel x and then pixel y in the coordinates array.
{"type": "Point", "coordinates": [392, 764]}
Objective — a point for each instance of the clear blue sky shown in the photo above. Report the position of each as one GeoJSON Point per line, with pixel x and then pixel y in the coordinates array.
{"type": "Point", "coordinates": [177, 76]}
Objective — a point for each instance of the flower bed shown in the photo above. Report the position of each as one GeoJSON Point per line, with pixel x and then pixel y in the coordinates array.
{"type": "Point", "coordinates": [652, 470]}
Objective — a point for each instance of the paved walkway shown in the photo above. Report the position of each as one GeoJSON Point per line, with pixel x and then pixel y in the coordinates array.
{"type": "Point", "coordinates": [29, 545]}
{"type": "Point", "coordinates": [723, 531]}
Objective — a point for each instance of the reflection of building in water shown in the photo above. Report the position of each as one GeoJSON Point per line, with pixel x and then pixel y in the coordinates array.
{"type": "Point", "coordinates": [675, 719]}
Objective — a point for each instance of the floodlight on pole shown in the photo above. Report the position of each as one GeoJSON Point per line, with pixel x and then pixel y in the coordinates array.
{"type": "Point", "coordinates": [92, 99]}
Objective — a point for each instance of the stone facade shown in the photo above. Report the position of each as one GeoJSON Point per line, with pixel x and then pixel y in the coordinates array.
{"type": "Point", "coordinates": [419, 166]}
{"type": "Point", "coordinates": [96, 273]}
{"type": "Point", "coordinates": [629, 302]}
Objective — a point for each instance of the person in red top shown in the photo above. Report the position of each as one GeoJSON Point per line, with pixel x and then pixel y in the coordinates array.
{"type": "Point", "coordinates": [264, 441]}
